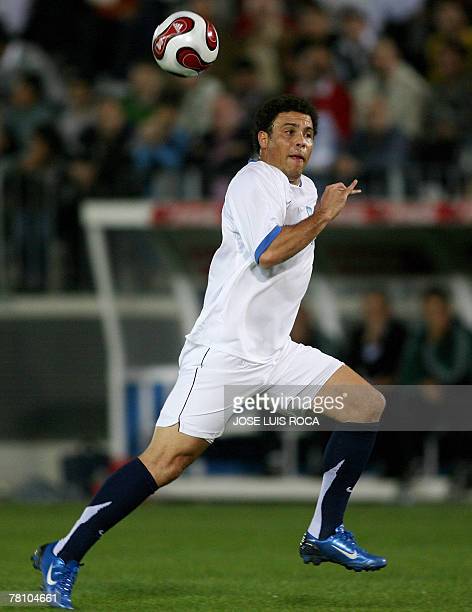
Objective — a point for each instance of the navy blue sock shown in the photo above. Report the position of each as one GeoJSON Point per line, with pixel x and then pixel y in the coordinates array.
{"type": "Point", "coordinates": [345, 458]}
{"type": "Point", "coordinates": [119, 495]}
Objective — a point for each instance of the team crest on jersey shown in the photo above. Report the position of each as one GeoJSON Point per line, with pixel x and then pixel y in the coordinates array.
{"type": "Point", "coordinates": [309, 210]}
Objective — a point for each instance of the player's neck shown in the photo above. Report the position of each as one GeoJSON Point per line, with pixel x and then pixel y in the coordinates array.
{"type": "Point", "coordinates": [296, 181]}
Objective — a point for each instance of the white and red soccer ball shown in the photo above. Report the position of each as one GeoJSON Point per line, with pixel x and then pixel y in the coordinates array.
{"type": "Point", "coordinates": [185, 44]}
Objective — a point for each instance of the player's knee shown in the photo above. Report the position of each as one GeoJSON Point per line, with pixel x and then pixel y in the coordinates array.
{"type": "Point", "coordinates": [374, 406]}
{"type": "Point", "coordinates": [166, 468]}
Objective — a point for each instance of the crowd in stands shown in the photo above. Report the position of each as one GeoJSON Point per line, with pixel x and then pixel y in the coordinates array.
{"type": "Point", "coordinates": [85, 111]}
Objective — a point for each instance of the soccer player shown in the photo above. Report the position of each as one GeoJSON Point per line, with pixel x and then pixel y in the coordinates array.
{"type": "Point", "coordinates": [256, 282]}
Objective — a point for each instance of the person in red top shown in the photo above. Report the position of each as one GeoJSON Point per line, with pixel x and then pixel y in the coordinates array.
{"type": "Point", "coordinates": [315, 79]}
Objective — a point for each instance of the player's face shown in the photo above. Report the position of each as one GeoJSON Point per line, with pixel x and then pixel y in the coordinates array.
{"type": "Point", "coordinates": [288, 147]}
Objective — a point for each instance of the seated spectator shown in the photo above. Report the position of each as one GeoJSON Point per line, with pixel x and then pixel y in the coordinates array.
{"type": "Point", "coordinates": [79, 113]}
{"type": "Point", "coordinates": [440, 350]}
{"type": "Point", "coordinates": [405, 90]}
{"type": "Point", "coordinates": [377, 154]}
{"type": "Point", "coordinates": [306, 332]}
{"type": "Point", "coordinates": [376, 344]}
{"type": "Point", "coordinates": [36, 193]}
{"type": "Point", "coordinates": [145, 84]}
{"type": "Point", "coordinates": [159, 150]}
{"type": "Point", "coordinates": [104, 165]}
{"type": "Point", "coordinates": [354, 44]}
{"type": "Point", "coordinates": [27, 108]}
{"type": "Point", "coordinates": [225, 148]}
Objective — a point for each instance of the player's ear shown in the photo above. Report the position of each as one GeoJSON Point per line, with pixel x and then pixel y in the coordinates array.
{"type": "Point", "coordinates": [263, 139]}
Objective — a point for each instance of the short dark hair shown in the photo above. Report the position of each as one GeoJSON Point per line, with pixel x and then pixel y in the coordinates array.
{"type": "Point", "coordinates": [268, 111]}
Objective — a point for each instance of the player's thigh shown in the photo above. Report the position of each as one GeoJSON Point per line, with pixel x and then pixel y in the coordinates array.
{"type": "Point", "coordinates": [300, 367]}
{"type": "Point", "coordinates": [362, 403]}
{"type": "Point", "coordinates": [201, 401]}
{"type": "Point", "coordinates": [304, 370]}
{"type": "Point", "coordinates": [168, 443]}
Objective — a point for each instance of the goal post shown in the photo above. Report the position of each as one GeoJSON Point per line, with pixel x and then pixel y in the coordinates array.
{"type": "Point", "coordinates": [135, 394]}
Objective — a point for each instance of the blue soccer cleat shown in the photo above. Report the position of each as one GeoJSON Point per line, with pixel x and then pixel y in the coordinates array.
{"type": "Point", "coordinates": [58, 576]}
{"type": "Point", "coordinates": [339, 548]}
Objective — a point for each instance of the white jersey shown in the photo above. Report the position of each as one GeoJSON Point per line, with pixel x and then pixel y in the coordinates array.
{"type": "Point", "coordinates": [249, 311]}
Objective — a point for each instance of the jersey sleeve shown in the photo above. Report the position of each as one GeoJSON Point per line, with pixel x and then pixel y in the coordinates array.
{"type": "Point", "coordinates": [257, 207]}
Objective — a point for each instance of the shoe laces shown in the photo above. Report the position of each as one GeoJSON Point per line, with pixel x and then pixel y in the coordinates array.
{"type": "Point", "coordinates": [346, 536]}
{"type": "Point", "coordinates": [68, 578]}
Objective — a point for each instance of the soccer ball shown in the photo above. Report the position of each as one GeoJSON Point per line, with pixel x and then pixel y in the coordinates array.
{"type": "Point", "coordinates": [185, 44]}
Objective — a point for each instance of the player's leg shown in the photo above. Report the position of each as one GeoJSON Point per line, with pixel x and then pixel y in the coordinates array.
{"type": "Point", "coordinates": [307, 370]}
{"type": "Point", "coordinates": [345, 457]}
{"type": "Point", "coordinates": [168, 454]}
{"type": "Point", "coordinates": [129, 486]}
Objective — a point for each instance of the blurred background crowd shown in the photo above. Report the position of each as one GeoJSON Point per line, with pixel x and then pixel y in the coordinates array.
{"type": "Point", "coordinates": [85, 112]}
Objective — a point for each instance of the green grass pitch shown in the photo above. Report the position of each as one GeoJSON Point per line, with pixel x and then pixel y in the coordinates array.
{"type": "Point", "coordinates": [222, 557]}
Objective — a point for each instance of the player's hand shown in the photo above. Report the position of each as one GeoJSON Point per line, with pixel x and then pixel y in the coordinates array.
{"type": "Point", "coordinates": [335, 197]}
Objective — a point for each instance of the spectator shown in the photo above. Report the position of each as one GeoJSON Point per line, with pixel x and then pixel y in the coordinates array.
{"type": "Point", "coordinates": [261, 25]}
{"type": "Point", "coordinates": [224, 149]}
{"type": "Point", "coordinates": [316, 80]}
{"type": "Point", "coordinates": [104, 166]}
{"type": "Point", "coordinates": [20, 57]}
{"type": "Point", "coordinates": [375, 350]}
{"type": "Point", "coordinates": [315, 22]}
{"type": "Point", "coordinates": [380, 13]}
{"type": "Point", "coordinates": [448, 119]}
{"type": "Point", "coordinates": [159, 151]}
{"type": "Point", "coordinates": [305, 331]}
{"type": "Point", "coordinates": [195, 109]}
{"type": "Point", "coordinates": [354, 44]}
{"type": "Point", "coordinates": [405, 90]}
{"type": "Point", "coordinates": [451, 25]}
{"type": "Point", "coordinates": [79, 113]}
{"type": "Point", "coordinates": [145, 85]}
{"type": "Point", "coordinates": [27, 108]}
{"type": "Point", "coordinates": [376, 154]}
{"type": "Point", "coordinates": [35, 196]}
{"type": "Point", "coordinates": [376, 344]}
{"type": "Point", "coordinates": [440, 351]}
{"type": "Point", "coordinates": [247, 86]}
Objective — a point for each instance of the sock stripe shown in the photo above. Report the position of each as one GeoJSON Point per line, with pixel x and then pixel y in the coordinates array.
{"type": "Point", "coordinates": [87, 514]}
{"type": "Point", "coordinates": [314, 528]}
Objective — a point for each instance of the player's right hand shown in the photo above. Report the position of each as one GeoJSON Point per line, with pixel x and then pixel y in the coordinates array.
{"type": "Point", "coordinates": [335, 197]}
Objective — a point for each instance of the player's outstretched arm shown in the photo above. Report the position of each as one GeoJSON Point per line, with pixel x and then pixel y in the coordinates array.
{"type": "Point", "coordinates": [294, 238]}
